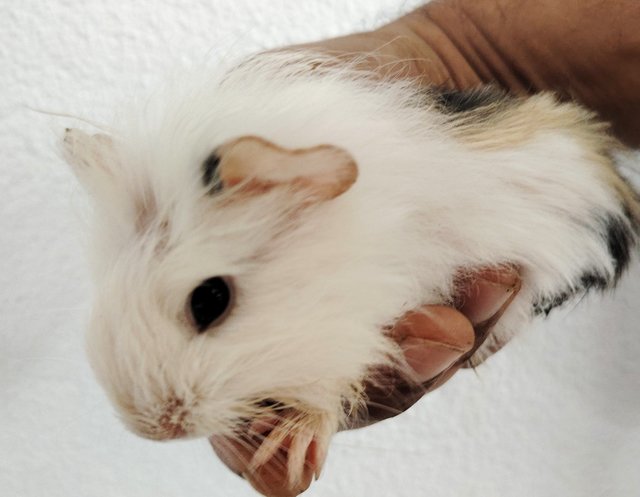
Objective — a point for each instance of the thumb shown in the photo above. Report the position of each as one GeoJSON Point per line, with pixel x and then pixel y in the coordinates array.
{"type": "Point", "coordinates": [433, 338]}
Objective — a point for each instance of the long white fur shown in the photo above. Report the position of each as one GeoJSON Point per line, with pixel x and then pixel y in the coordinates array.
{"type": "Point", "coordinates": [312, 300]}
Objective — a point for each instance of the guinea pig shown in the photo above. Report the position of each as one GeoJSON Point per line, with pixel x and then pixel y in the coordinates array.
{"type": "Point", "coordinates": [257, 229]}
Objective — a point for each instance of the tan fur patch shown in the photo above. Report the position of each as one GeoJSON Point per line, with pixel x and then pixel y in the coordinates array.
{"type": "Point", "coordinates": [513, 121]}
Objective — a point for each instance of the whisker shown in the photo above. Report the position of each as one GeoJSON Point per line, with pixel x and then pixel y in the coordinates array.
{"type": "Point", "coordinates": [228, 446]}
{"type": "Point", "coordinates": [385, 407]}
{"type": "Point", "coordinates": [69, 116]}
{"type": "Point", "coordinates": [275, 462]}
{"type": "Point", "coordinates": [343, 445]}
{"type": "Point", "coordinates": [73, 420]}
{"type": "Point", "coordinates": [248, 445]}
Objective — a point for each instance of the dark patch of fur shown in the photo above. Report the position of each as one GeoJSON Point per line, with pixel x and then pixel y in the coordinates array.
{"type": "Point", "coordinates": [620, 241]}
{"type": "Point", "coordinates": [457, 101]}
{"type": "Point", "coordinates": [210, 172]}
{"type": "Point", "coordinates": [590, 280]}
{"type": "Point", "coordinates": [620, 234]}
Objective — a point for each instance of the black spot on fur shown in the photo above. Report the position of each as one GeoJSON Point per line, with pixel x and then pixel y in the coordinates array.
{"type": "Point", "coordinates": [456, 101]}
{"type": "Point", "coordinates": [589, 281]}
{"type": "Point", "coordinates": [593, 281]}
{"type": "Point", "coordinates": [209, 172]}
{"type": "Point", "coordinates": [620, 241]}
{"type": "Point", "coordinates": [546, 304]}
{"type": "Point", "coordinates": [620, 237]}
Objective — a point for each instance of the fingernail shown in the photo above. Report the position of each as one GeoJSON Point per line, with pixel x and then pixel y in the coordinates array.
{"type": "Point", "coordinates": [428, 359]}
{"type": "Point", "coordinates": [488, 294]}
{"type": "Point", "coordinates": [313, 458]}
{"type": "Point", "coordinates": [440, 325]}
{"type": "Point", "coordinates": [321, 449]}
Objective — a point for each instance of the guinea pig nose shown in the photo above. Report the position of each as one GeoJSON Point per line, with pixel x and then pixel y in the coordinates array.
{"type": "Point", "coordinates": [172, 422]}
{"type": "Point", "coordinates": [171, 431]}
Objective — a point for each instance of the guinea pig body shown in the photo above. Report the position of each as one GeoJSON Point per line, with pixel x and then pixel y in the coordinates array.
{"type": "Point", "coordinates": [332, 203]}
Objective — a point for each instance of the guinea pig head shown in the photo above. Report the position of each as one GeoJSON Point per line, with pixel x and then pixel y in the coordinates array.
{"type": "Point", "coordinates": [215, 313]}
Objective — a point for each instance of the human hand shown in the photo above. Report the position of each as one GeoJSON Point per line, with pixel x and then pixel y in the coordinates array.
{"type": "Point", "coordinates": [523, 47]}
{"type": "Point", "coordinates": [461, 44]}
{"type": "Point", "coordinates": [436, 342]}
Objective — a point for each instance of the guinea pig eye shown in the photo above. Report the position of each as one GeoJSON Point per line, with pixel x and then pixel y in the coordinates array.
{"type": "Point", "coordinates": [210, 302]}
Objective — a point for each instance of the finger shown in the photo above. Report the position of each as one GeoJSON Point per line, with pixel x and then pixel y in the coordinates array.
{"type": "Point", "coordinates": [432, 339]}
{"type": "Point", "coordinates": [487, 293]}
{"type": "Point", "coordinates": [271, 478]}
{"type": "Point", "coordinates": [275, 460]}
{"type": "Point", "coordinates": [484, 300]}
{"type": "Point", "coordinates": [235, 454]}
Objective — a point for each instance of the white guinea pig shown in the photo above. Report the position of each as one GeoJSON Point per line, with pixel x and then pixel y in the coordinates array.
{"type": "Point", "coordinates": [256, 231]}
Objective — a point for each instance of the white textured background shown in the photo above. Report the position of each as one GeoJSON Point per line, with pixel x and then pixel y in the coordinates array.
{"type": "Point", "coordinates": [555, 414]}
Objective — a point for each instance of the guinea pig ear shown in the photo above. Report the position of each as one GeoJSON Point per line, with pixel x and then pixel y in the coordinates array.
{"type": "Point", "coordinates": [322, 172]}
{"type": "Point", "coordinates": [91, 157]}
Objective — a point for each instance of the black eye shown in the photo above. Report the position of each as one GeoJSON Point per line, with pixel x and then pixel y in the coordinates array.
{"type": "Point", "coordinates": [209, 172]}
{"type": "Point", "coordinates": [210, 302]}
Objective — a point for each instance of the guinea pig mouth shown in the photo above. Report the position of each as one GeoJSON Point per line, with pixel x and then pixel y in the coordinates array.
{"type": "Point", "coordinates": [169, 423]}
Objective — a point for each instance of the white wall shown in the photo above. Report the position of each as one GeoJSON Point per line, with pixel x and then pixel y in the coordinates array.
{"type": "Point", "coordinates": [555, 414]}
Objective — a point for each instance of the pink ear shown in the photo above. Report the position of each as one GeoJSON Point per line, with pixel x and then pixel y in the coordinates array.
{"type": "Point", "coordinates": [323, 171]}
{"type": "Point", "coordinates": [91, 157]}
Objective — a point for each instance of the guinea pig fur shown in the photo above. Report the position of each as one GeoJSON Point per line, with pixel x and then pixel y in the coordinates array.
{"type": "Point", "coordinates": [326, 203]}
